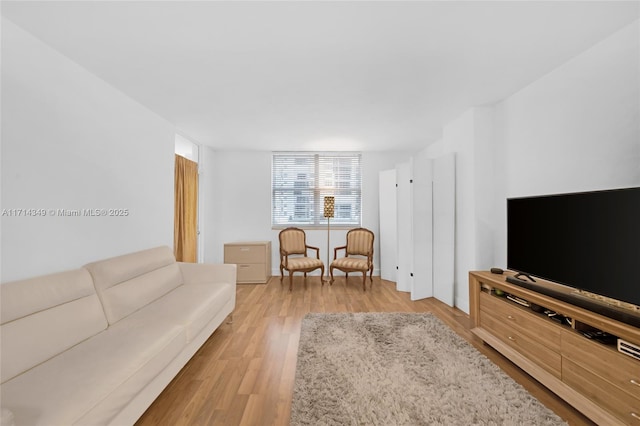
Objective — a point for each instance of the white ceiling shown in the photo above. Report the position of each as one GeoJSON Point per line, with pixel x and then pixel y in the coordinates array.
{"type": "Point", "coordinates": [383, 75]}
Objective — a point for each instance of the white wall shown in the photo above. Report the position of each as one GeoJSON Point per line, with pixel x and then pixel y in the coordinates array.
{"type": "Point", "coordinates": [576, 129]}
{"type": "Point", "coordinates": [243, 186]}
{"type": "Point", "coordinates": [208, 204]}
{"type": "Point", "coordinates": [459, 137]}
{"type": "Point", "coordinates": [70, 141]}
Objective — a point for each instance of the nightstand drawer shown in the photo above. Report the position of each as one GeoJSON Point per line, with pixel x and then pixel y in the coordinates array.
{"type": "Point", "coordinates": [251, 272]}
{"type": "Point", "coordinates": [244, 253]}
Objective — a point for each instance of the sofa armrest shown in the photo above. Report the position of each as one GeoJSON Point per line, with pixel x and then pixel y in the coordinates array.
{"type": "Point", "coordinates": [207, 273]}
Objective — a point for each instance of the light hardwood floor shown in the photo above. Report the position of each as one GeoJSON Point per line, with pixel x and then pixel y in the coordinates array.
{"type": "Point", "coordinates": [244, 373]}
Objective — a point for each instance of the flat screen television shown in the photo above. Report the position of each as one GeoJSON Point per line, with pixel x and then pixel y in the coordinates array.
{"type": "Point", "coordinates": [588, 240]}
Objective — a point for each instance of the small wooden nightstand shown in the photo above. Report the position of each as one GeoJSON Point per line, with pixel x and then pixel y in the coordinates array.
{"type": "Point", "coordinates": [253, 259]}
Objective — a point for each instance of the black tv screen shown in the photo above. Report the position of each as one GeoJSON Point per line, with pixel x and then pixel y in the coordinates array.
{"type": "Point", "coordinates": [589, 241]}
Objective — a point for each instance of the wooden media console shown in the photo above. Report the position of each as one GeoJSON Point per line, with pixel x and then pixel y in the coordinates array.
{"type": "Point", "coordinates": [592, 376]}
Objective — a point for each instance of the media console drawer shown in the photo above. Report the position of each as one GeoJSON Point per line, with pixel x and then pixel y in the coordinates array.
{"type": "Point", "coordinates": [541, 329]}
{"type": "Point", "coordinates": [600, 391]}
{"type": "Point", "coordinates": [599, 359]}
{"type": "Point", "coordinates": [543, 356]}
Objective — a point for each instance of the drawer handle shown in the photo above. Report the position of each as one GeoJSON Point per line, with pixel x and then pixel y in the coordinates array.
{"type": "Point", "coordinates": [510, 317]}
{"type": "Point", "coordinates": [634, 382]}
{"type": "Point", "coordinates": [635, 416]}
{"type": "Point", "coordinates": [513, 339]}
{"type": "Point", "coordinates": [244, 266]}
{"type": "Point", "coordinates": [245, 249]}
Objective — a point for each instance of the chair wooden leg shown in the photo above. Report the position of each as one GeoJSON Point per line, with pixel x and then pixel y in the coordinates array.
{"type": "Point", "coordinates": [290, 280]}
{"type": "Point", "coordinates": [281, 272]}
{"type": "Point", "coordinates": [364, 280]}
{"type": "Point", "coordinates": [331, 273]}
{"type": "Point", "coordinates": [322, 274]}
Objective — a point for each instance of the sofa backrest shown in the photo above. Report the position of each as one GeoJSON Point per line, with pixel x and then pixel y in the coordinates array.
{"type": "Point", "coordinates": [43, 316]}
{"type": "Point", "coordinates": [129, 282]}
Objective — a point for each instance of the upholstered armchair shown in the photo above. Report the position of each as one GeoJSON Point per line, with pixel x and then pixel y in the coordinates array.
{"type": "Point", "coordinates": [293, 255]}
{"type": "Point", "coordinates": [358, 255]}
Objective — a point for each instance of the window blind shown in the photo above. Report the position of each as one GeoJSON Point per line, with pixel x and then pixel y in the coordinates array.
{"type": "Point", "coordinates": [301, 180]}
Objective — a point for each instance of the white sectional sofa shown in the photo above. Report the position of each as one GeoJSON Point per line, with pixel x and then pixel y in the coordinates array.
{"type": "Point", "coordinates": [97, 345]}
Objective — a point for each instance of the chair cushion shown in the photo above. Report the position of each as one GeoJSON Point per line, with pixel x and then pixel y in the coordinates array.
{"type": "Point", "coordinates": [297, 263]}
{"type": "Point", "coordinates": [351, 263]}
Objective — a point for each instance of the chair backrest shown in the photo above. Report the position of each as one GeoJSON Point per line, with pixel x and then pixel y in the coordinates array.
{"type": "Point", "coordinates": [293, 241]}
{"type": "Point", "coordinates": [360, 242]}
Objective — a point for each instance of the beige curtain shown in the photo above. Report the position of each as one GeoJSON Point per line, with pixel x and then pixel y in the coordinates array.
{"type": "Point", "coordinates": [185, 232]}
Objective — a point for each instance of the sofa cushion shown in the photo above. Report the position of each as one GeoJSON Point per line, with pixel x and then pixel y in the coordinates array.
{"type": "Point", "coordinates": [43, 316]}
{"type": "Point", "coordinates": [191, 306]}
{"type": "Point", "coordinates": [129, 282]}
{"type": "Point", "coordinates": [97, 378]}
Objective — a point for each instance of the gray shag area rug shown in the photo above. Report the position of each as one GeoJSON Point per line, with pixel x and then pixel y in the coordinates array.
{"type": "Point", "coordinates": [402, 369]}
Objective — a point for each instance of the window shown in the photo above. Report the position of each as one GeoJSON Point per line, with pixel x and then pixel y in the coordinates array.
{"type": "Point", "coordinates": [301, 180]}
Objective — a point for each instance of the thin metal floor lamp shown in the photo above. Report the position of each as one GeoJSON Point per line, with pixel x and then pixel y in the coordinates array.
{"type": "Point", "coordinates": [329, 207]}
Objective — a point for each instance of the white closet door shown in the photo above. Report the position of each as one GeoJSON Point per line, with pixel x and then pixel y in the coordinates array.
{"type": "Point", "coordinates": [444, 208]}
{"type": "Point", "coordinates": [404, 226]}
{"type": "Point", "coordinates": [421, 196]}
{"type": "Point", "coordinates": [388, 239]}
